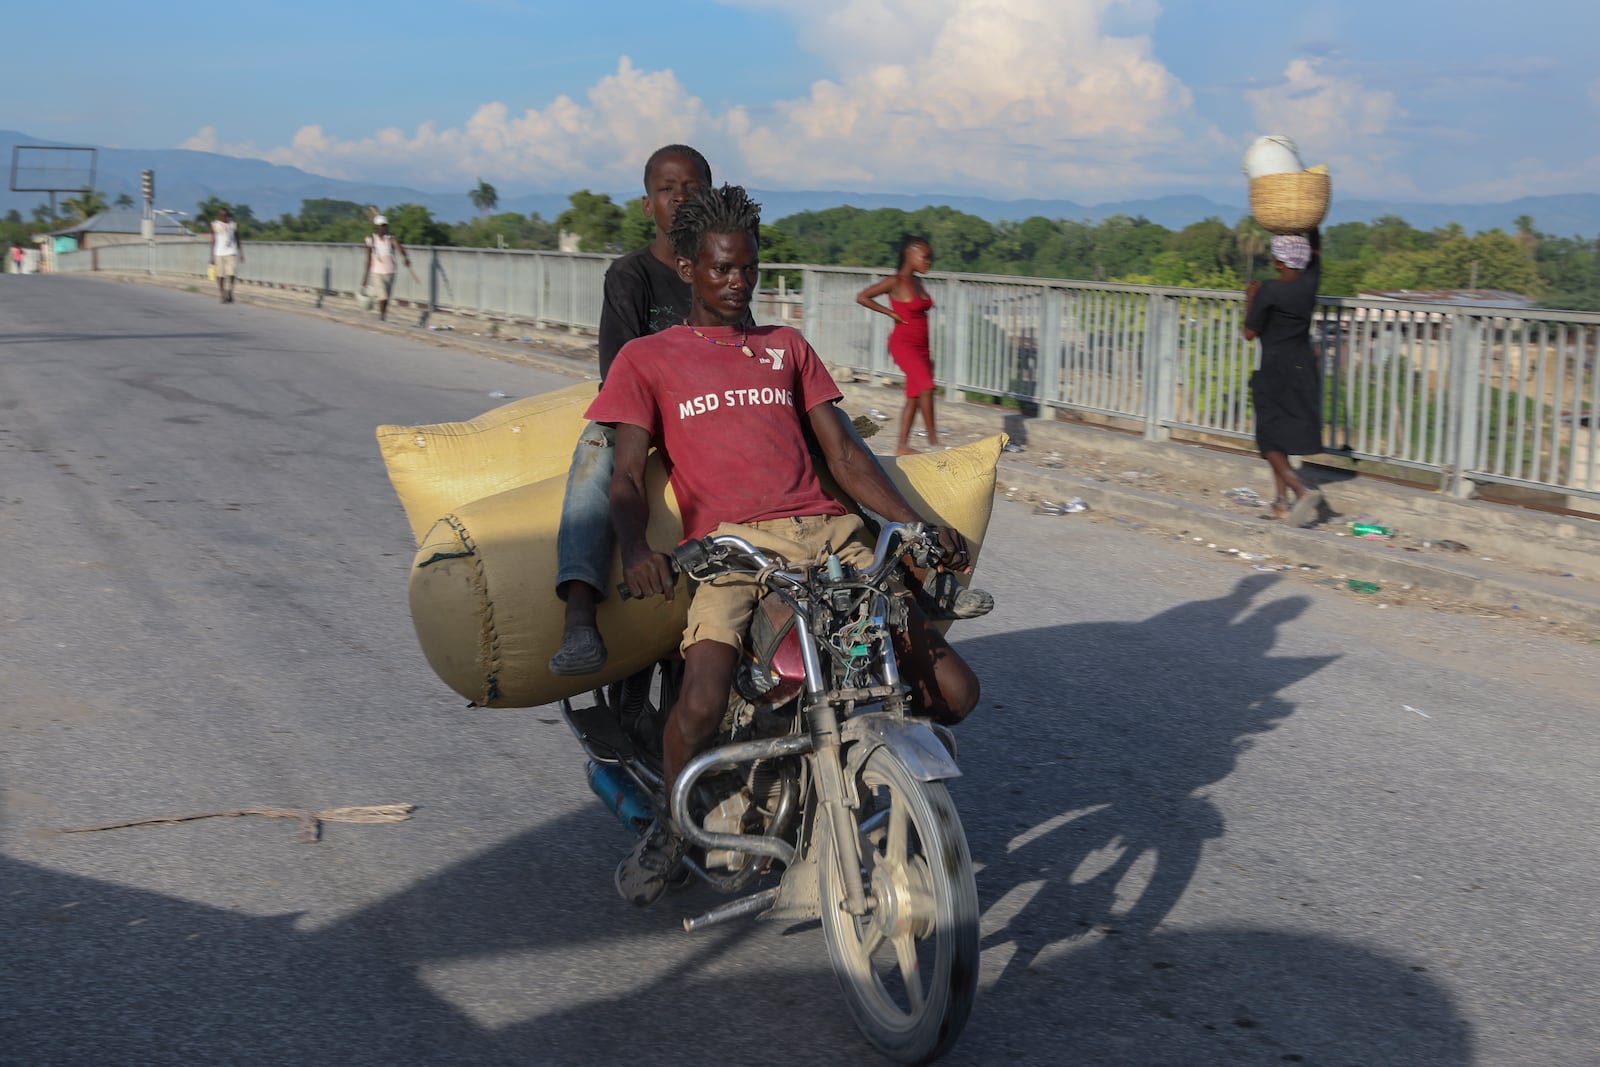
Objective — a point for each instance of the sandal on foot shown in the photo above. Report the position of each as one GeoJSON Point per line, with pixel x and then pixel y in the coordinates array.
{"type": "Point", "coordinates": [1305, 507]}
{"type": "Point", "coordinates": [946, 599]}
{"type": "Point", "coordinates": [581, 652]}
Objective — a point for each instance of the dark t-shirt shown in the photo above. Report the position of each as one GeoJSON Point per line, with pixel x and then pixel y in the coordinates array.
{"type": "Point", "coordinates": [732, 426]}
{"type": "Point", "coordinates": [642, 295]}
{"type": "Point", "coordinates": [1281, 315]}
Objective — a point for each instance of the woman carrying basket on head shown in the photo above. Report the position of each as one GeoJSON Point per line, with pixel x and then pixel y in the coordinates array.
{"type": "Point", "coordinates": [1287, 388]}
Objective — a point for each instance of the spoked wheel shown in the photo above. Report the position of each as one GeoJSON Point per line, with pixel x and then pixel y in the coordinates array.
{"type": "Point", "coordinates": [909, 967]}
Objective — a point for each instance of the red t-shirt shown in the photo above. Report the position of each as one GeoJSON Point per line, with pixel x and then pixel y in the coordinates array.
{"type": "Point", "coordinates": [731, 425]}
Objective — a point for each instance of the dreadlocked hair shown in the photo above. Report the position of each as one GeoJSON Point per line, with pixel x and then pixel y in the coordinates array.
{"type": "Point", "coordinates": [725, 210]}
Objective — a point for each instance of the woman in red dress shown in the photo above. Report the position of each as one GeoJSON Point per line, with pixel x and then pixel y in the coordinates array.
{"type": "Point", "coordinates": [908, 342]}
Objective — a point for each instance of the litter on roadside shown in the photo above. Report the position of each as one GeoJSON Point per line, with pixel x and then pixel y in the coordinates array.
{"type": "Point", "coordinates": [1244, 495]}
{"type": "Point", "coordinates": [1070, 507]}
{"type": "Point", "coordinates": [1356, 585]}
{"type": "Point", "coordinates": [499, 394]}
{"type": "Point", "coordinates": [436, 327]}
{"type": "Point", "coordinates": [1371, 531]}
{"type": "Point", "coordinates": [1448, 545]}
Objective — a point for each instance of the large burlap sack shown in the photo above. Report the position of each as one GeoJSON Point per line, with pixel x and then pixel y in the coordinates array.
{"type": "Point", "coordinates": [437, 468]}
{"type": "Point", "coordinates": [483, 582]}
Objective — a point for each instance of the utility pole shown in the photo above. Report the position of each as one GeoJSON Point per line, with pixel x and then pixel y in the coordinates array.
{"type": "Point", "coordinates": [147, 186]}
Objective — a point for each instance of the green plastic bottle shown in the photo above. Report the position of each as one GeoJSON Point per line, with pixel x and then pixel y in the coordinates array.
{"type": "Point", "coordinates": [1369, 529]}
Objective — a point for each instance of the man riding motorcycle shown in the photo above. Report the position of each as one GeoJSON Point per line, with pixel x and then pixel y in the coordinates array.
{"type": "Point", "coordinates": [729, 404]}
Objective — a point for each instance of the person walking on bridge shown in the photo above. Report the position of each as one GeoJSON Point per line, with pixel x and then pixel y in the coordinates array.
{"type": "Point", "coordinates": [226, 253]}
{"type": "Point", "coordinates": [1287, 387]}
{"type": "Point", "coordinates": [380, 268]}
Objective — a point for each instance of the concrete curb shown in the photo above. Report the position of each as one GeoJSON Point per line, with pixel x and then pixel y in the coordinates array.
{"type": "Point", "coordinates": [1567, 549]}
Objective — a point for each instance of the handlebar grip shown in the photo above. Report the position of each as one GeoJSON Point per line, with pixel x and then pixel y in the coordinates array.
{"type": "Point", "coordinates": [691, 555]}
{"type": "Point", "coordinates": [674, 563]}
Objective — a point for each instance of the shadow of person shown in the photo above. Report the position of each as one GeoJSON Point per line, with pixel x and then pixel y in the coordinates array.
{"type": "Point", "coordinates": [1103, 815]}
{"type": "Point", "coordinates": [521, 954]}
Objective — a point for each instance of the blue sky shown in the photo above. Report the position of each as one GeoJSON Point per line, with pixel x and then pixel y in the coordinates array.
{"type": "Point", "coordinates": [1088, 100]}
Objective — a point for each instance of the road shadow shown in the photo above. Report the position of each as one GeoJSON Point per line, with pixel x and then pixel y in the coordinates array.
{"type": "Point", "coordinates": [1086, 808]}
{"type": "Point", "coordinates": [1102, 813]}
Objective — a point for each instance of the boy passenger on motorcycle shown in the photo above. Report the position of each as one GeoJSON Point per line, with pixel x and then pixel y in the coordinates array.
{"type": "Point", "coordinates": [729, 403]}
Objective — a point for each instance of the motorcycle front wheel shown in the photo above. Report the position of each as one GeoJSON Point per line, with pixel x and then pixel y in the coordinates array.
{"type": "Point", "coordinates": [909, 967]}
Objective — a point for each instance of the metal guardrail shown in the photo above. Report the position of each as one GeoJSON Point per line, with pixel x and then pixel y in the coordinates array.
{"type": "Point", "coordinates": [1470, 394]}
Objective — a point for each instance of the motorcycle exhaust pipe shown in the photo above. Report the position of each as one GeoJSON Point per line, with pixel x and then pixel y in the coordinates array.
{"type": "Point", "coordinates": [621, 797]}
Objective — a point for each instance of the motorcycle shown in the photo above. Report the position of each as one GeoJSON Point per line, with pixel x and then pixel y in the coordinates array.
{"type": "Point", "coordinates": [819, 779]}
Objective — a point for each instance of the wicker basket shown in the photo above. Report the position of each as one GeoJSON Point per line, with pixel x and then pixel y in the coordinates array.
{"type": "Point", "coordinates": [1290, 203]}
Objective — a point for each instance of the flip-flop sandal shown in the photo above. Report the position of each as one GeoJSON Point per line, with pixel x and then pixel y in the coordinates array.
{"type": "Point", "coordinates": [581, 652]}
{"type": "Point", "coordinates": [948, 600]}
{"type": "Point", "coordinates": [1305, 507]}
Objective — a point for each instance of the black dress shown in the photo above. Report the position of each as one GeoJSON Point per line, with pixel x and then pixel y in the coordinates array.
{"type": "Point", "coordinates": [1287, 388]}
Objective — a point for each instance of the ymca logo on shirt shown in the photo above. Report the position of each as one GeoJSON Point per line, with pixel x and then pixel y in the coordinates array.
{"type": "Point", "coordinates": [775, 357]}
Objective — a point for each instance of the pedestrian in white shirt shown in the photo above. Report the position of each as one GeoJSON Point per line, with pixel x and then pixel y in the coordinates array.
{"type": "Point", "coordinates": [226, 253]}
{"type": "Point", "coordinates": [382, 247]}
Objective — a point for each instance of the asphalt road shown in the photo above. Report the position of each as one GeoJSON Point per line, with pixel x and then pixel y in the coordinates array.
{"type": "Point", "coordinates": [1223, 817]}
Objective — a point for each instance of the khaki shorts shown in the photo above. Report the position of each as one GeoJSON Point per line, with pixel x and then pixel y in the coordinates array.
{"type": "Point", "coordinates": [227, 266]}
{"type": "Point", "coordinates": [721, 611]}
{"type": "Point", "coordinates": [382, 286]}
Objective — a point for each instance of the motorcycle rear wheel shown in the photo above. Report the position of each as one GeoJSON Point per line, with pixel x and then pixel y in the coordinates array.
{"type": "Point", "coordinates": [909, 967]}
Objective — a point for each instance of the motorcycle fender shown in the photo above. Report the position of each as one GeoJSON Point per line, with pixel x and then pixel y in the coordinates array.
{"type": "Point", "coordinates": [918, 747]}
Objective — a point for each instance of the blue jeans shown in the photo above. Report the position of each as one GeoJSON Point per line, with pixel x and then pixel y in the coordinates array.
{"type": "Point", "coordinates": [583, 544]}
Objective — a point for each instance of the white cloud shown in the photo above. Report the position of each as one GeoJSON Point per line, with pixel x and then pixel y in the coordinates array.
{"type": "Point", "coordinates": [602, 141]}
{"type": "Point", "coordinates": [1032, 97]}
{"type": "Point", "coordinates": [1058, 98]}
{"type": "Point", "coordinates": [1528, 176]}
{"type": "Point", "coordinates": [1337, 121]}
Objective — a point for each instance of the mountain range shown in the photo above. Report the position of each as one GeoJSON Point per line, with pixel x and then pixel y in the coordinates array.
{"type": "Point", "coordinates": [184, 178]}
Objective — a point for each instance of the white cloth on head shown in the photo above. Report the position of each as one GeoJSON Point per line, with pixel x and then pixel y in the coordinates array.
{"type": "Point", "coordinates": [1292, 250]}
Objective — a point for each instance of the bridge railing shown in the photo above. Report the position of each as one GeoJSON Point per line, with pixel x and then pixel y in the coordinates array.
{"type": "Point", "coordinates": [1471, 395]}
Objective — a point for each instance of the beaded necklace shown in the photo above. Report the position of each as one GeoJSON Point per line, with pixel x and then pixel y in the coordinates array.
{"type": "Point", "coordinates": [743, 344]}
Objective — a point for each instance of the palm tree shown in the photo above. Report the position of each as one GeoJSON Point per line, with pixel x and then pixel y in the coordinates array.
{"type": "Point", "coordinates": [1253, 241]}
{"type": "Point", "coordinates": [85, 205]}
{"type": "Point", "coordinates": [484, 197]}
{"type": "Point", "coordinates": [123, 200]}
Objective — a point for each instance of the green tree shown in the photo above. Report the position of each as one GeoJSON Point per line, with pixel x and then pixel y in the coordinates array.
{"type": "Point", "coordinates": [1251, 240]}
{"type": "Point", "coordinates": [507, 229]}
{"type": "Point", "coordinates": [1391, 233]}
{"type": "Point", "coordinates": [1206, 248]}
{"type": "Point", "coordinates": [1491, 260]}
{"type": "Point", "coordinates": [85, 205]}
{"type": "Point", "coordinates": [484, 197]}
{"type": "Point", "coordinates": [595, 219]}
{"type": "Point", "coordinates": [637, 229]}
{"type": "Point", "coordinates": [123, 200]}
{"type": "Point", "coordinates": [416, 226]}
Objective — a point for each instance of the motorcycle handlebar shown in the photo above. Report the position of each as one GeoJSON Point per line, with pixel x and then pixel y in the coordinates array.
{"type": "Point", "coordinates": [919, 540]}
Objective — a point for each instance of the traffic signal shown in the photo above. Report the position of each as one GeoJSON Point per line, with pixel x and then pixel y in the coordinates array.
{"type": "Point", "coordinates": [147, 185]}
